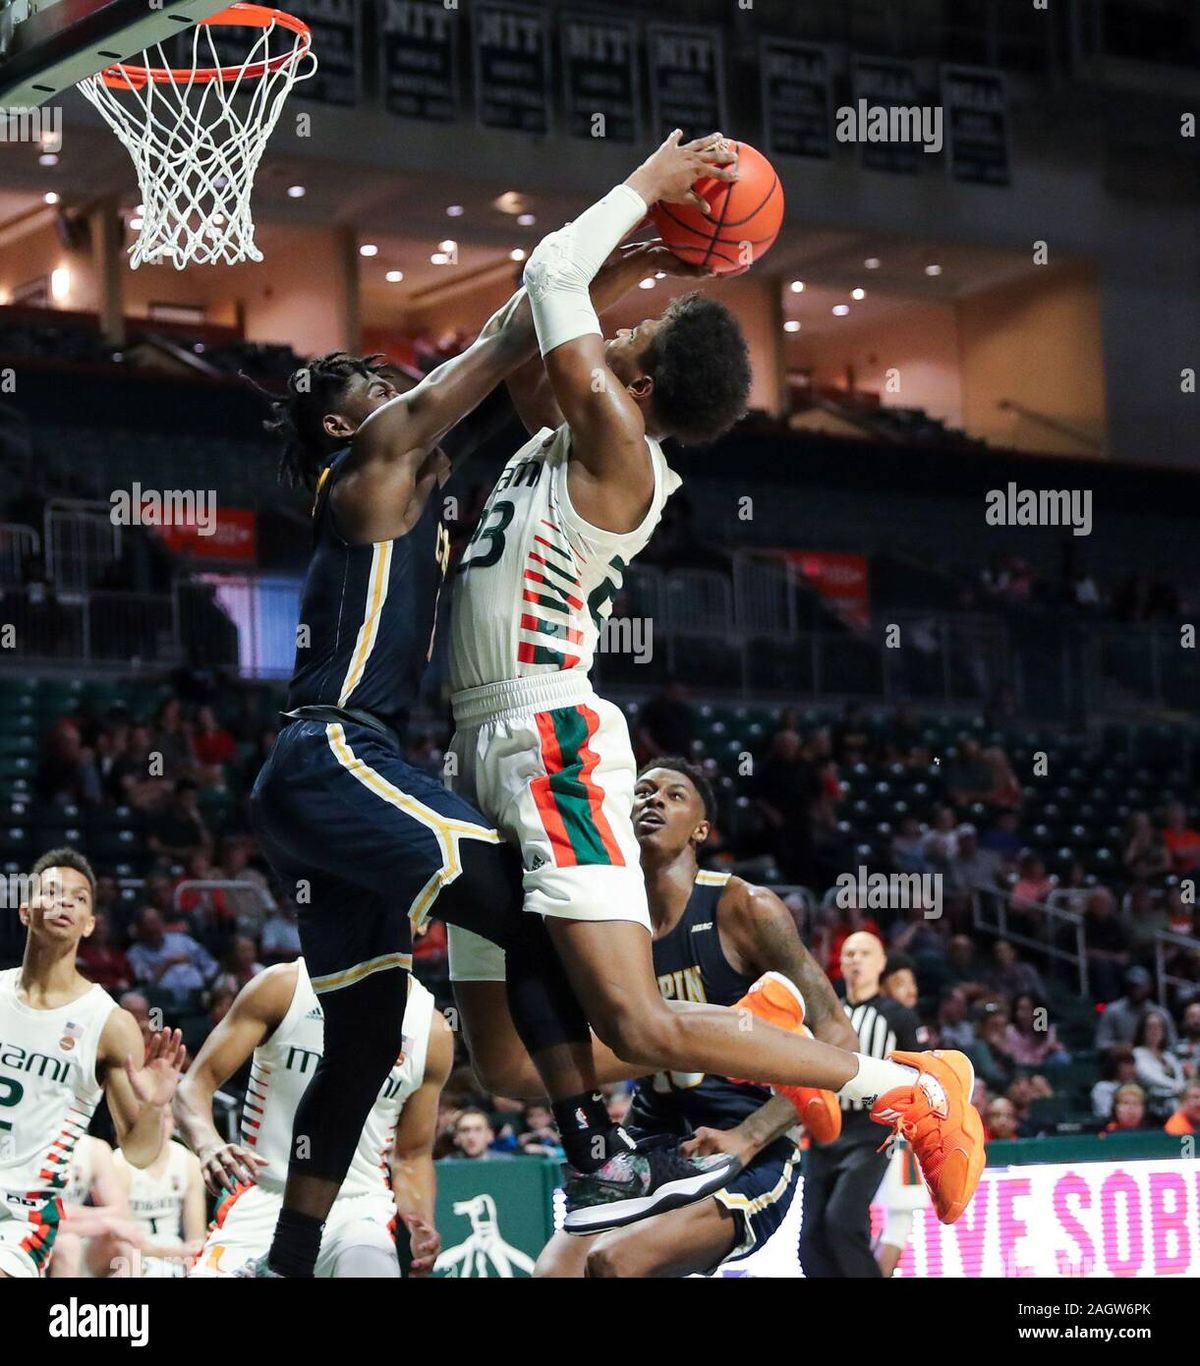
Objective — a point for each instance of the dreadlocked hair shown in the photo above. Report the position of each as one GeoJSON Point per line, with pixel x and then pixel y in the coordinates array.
{"type": "Point", "coordinates": [313, 391]}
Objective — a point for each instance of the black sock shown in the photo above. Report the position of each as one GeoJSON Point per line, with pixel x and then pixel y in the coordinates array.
{"type": "Point", "coordinates": [589, 1137]}
{"type": "Point", "coordinates": [296, 1244]}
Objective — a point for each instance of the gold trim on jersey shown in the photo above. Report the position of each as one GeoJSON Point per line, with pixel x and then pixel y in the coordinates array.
{"type": "Point", "coordinates": [710, 879]}
{"type": "Point", "coordinates": [333, 980]}
{"type": "Point", "coordinates": [377, 591]}
{"type": "Point", "coordinates": [444, 829]}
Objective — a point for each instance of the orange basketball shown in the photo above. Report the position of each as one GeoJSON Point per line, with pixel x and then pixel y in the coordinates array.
{"type": "Point", "coordinates": [746, 217]}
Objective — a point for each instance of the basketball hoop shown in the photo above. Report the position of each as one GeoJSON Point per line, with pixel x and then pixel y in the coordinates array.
{"type": "Point", "coordinates": [195, 152]}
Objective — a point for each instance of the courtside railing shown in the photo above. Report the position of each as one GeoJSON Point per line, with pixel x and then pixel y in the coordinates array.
{"type": "Point", "coordinates": [992, 914]}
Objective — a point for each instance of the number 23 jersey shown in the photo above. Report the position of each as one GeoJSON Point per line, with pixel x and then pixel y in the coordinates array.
{"type": "Point", "coordinates": [536, 581]}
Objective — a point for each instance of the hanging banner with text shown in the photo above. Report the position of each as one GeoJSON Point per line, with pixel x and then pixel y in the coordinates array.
{"type": "Point", "coordinates": [601, 88]}
{"type": "Point", "coordinates": [512, 68]}
{"type": "Point", "coordinates": [885, 118]}
{"type": "Point", "coordinates": [796, 98]}
{"type": "Point", "coordinates": [419, 55]}
{"type": "Point", "coordinates": [687, 80]}
{"type": "Point", "coordinates": [337, 40]}
{"type": "Point", "coordinates": [975, 99]}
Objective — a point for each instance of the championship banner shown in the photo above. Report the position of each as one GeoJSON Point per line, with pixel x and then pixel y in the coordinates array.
{"type": "Point", "coordinates": [512, 68]}
{"type": "Point", "coordinates": [687, 80]}
{"type": "Point", "coordinates": [975, 99]}
{"type": "Point", "coordinates": [234, 536]}
{"type": "Point", "coordinates": [601, 85]}
{"type": "Point", "coordinates": [337, 40]}
{"type": "Point", "coordinates": [494, 1216]}
{"type": "Point", "coordinates": [881, 84]}
{"type": "Point", "coordinates": [842, 580]}
{"type": "Point", "coordinates": [796, 98]}
{"type": "Point", "coordinates": [419, 57]}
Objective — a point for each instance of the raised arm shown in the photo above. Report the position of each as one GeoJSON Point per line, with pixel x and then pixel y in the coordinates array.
{"type": "Point", "coordinates": [258, 1009]}
{"type": "Point", "coordinates": [138, 1083]}
{"type": "Point", "coordinates": [607, 427]}
{"type": "Point", "coordinates": [760, 929]}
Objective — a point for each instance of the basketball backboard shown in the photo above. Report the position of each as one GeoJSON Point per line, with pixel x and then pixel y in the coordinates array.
{"type": "Point", "coordinates": [48, 45]}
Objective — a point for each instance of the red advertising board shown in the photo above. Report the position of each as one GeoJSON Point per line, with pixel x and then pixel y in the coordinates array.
{"type": "Point", "coordinates": [232, 535]}
{"type": "Point", "coordinates": [842, 579]}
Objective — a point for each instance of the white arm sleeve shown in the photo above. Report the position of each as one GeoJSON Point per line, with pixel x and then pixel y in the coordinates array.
{"type": "Point", "coordinates": [564, 264]}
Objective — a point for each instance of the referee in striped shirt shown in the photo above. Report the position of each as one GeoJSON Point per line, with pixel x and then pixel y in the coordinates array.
{"type": "Point", "coordinates": [840, 1178]}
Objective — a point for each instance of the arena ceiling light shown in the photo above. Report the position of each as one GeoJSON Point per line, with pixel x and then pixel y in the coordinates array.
{"type": "Point", "coordinates": [454, 210]}
{"type": "Point", "coordinates": [646, 284]}
{"type": "Point", "coordinates": [368, 249]}
{"type": "Point", "coordinates": [135, 224]}
{"type": "Point", "coordinates": [840, 310]}
{"type": "Point", "coordinates": [797, 286]}
{"type": "Point", "coordinates": [791, 325]}
{"type": "Point", "coordinates": [449, 246]}
{"type": "Point", "coordinates": [858, 293]}
{"type": "Point", "coordinates": [296, 191]}
{"type": "Point", "coordinates": [48, 159]}
{"type": "Point", "coordinates": [872, 263]}
{"type": "Point", "coordinates": [517, 254]}
{"type": "Point", "coordinates": [50, 197]}
{"type": "Point", "coordinates": [933, 269]}
{"type": "Point", "coordinates": [393, 277]}
{"type": "Point", "coordinates": [439, 258]}
{"type": "Point", "coordinates": [526, 220]}
{"type": "Point", "coordinates": [511, 202]}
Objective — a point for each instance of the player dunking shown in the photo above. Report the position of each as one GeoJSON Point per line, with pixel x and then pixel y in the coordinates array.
{"type": "Point", "coordinates": [551, 762]}
{"type": "Point", "coordinates": [65, 1043]}
{"type": "Point", "coordinates": [369, 841]}
{"type": "Point", "coordinates": [277, 1020]}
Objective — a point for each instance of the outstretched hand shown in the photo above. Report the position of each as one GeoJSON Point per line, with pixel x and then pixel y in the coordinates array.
{"type": "Point", "coordinates": [155, 1081]}
{"type": "Point", "coordinates": [670, 174]}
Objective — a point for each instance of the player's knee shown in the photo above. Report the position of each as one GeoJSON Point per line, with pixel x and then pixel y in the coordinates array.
{"type": "Point", "coordinates": [647, 1037]}
{"type": "Point", "coordinates": [609, 1258]}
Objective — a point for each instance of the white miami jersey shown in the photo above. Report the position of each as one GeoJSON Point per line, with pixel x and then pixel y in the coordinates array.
{"type": "Point", "coordinates": [156, 1200]}
{"type": "Point", "coordinates": [284, 1065]}
{"type": "Point", "coordinates": [536, 581]}
{"type": "Point", "coordinates": [48, 1092]}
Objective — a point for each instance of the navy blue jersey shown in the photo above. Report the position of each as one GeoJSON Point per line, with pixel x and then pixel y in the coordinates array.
{"type": "Point", "coordinates": [691, 966]}
{"type": "Point", "coordinates": [367, 612]}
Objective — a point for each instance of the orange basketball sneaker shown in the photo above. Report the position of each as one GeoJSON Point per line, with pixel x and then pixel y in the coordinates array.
{"type": "Point", "coordinates": [937, 1118]}
{"type": "Point", "coordinates": [777, 1000]}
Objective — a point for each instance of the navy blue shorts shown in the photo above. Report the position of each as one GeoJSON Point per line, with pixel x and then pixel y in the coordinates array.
{"type": "Point", "coordinates": [761, 1196]}
{"type": "Point", "coordinates": [369, 846]}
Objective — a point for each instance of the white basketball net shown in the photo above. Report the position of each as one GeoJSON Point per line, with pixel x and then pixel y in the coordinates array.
{"type": "Point", "coordinates": [196, 152]}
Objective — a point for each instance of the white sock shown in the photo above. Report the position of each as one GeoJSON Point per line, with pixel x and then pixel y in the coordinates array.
{"type": "Point", "coordinates": [874, 1077]}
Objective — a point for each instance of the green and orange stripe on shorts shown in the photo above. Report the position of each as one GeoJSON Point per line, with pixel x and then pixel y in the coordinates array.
{"type": "Point", "coordinates": [569, 801]}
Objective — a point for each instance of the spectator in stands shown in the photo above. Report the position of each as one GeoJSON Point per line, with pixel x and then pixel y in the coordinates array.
{"type": "Point", "coordinates": [1128, 1111]}
{"type": "Point", "coordinates": [430, 949]}
{"type": "Point", "coordinates": [67, 774]}
{"type": "Point", "coordinates": [1030, 890]}
{"type": "Point", "coordinates": [851, 736]}
{"type": "Point", "coordinates": [239, 966]}
{"type": "Point", "coordinates": [171, 962]}
{"type": "Point", "coordinates": [214, 748]}
{"type": "Point", "coordinates": [1010, 976]}
{"type": "Point", "coordinates": [940, 845]}
{"type": "Point", "coordinates": [962, 962]}
{"type": "Point", "coordinates": [139, 1007]}
{"type": "Point", "coordinates": [666, 724]}
{"type": "Point", "coordinates": [1074, 890]}
{"type": "Point", "coordinates": [1006, 788]}
{"type": "Point", "coordinates": [1145, 855]}
{"type": "Point", "coordinates": [538, 1136]}
{"type": "Point", "coordinates": [1031, 1040]}
{"type": "Point", "coordinates": [100, 961]}
{"type": "Point", "coordinates": [252, 904]}
{"type": "Point", "coordinates": [908, 854]}
{"type": "Point", "coordinates": [264, 742]}
{"type": "Point", "coordinates": [1187, 1048]}
{"type": "Point", "coordinates": [903, 734]}
{"type": "Point", "coordinates": [1118, 1067]}
{"type": "Point", "coordinates": [1183, 843]}
{"type": "Point", "coordinates": [1000, 1120]}
{"type": "Point", "coordinates": [899, 980]}
{"type": "Point", "coordinates": [474, 1136]}
{"type": "Point", "coordinates": [205, 910]}
{"type": "Point", "coordinates": [179, 829]}
{"type": "Point", "coordinates": [172, 740]}
{"type": "Point", "coordinates": [1122, 1018]}
{"type": "Point", "coordinates": [1181, 917]}
{"type": "Point", "coordinates": [1002, 836]}
{"type": "Point", "coordinates": [617, 1100]}
{"type": "Point", "coordinates": [787, 786]}
{"type": "Point", "coordinates": [954, 1030]}
{"type": "Point", "coordinates": [988, 1051]}
{"type": "Point", "coordinates": [158, 893]}
{"type": "Point", "coordinates": [971, 868]}
{"type": "Point", "coordinates": [280, 941]}
{"type": "Point", "coordinates": [1186, 1120]}
{"type": "Point", "coordinates": [1159, 1070]}
{"type": "Point", "coordinates": [1021, 1093]}
{"type": "Point", "coordinates": [968, 775]}
{"type": "Point", "coordinates": [111, 746]}
{"type": "Point", "coordinates": [1145, 915]}
{"type": "Point", "coordinates": [1106, 942]}
{"type": "Point", "coordinates": [133, 778]}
